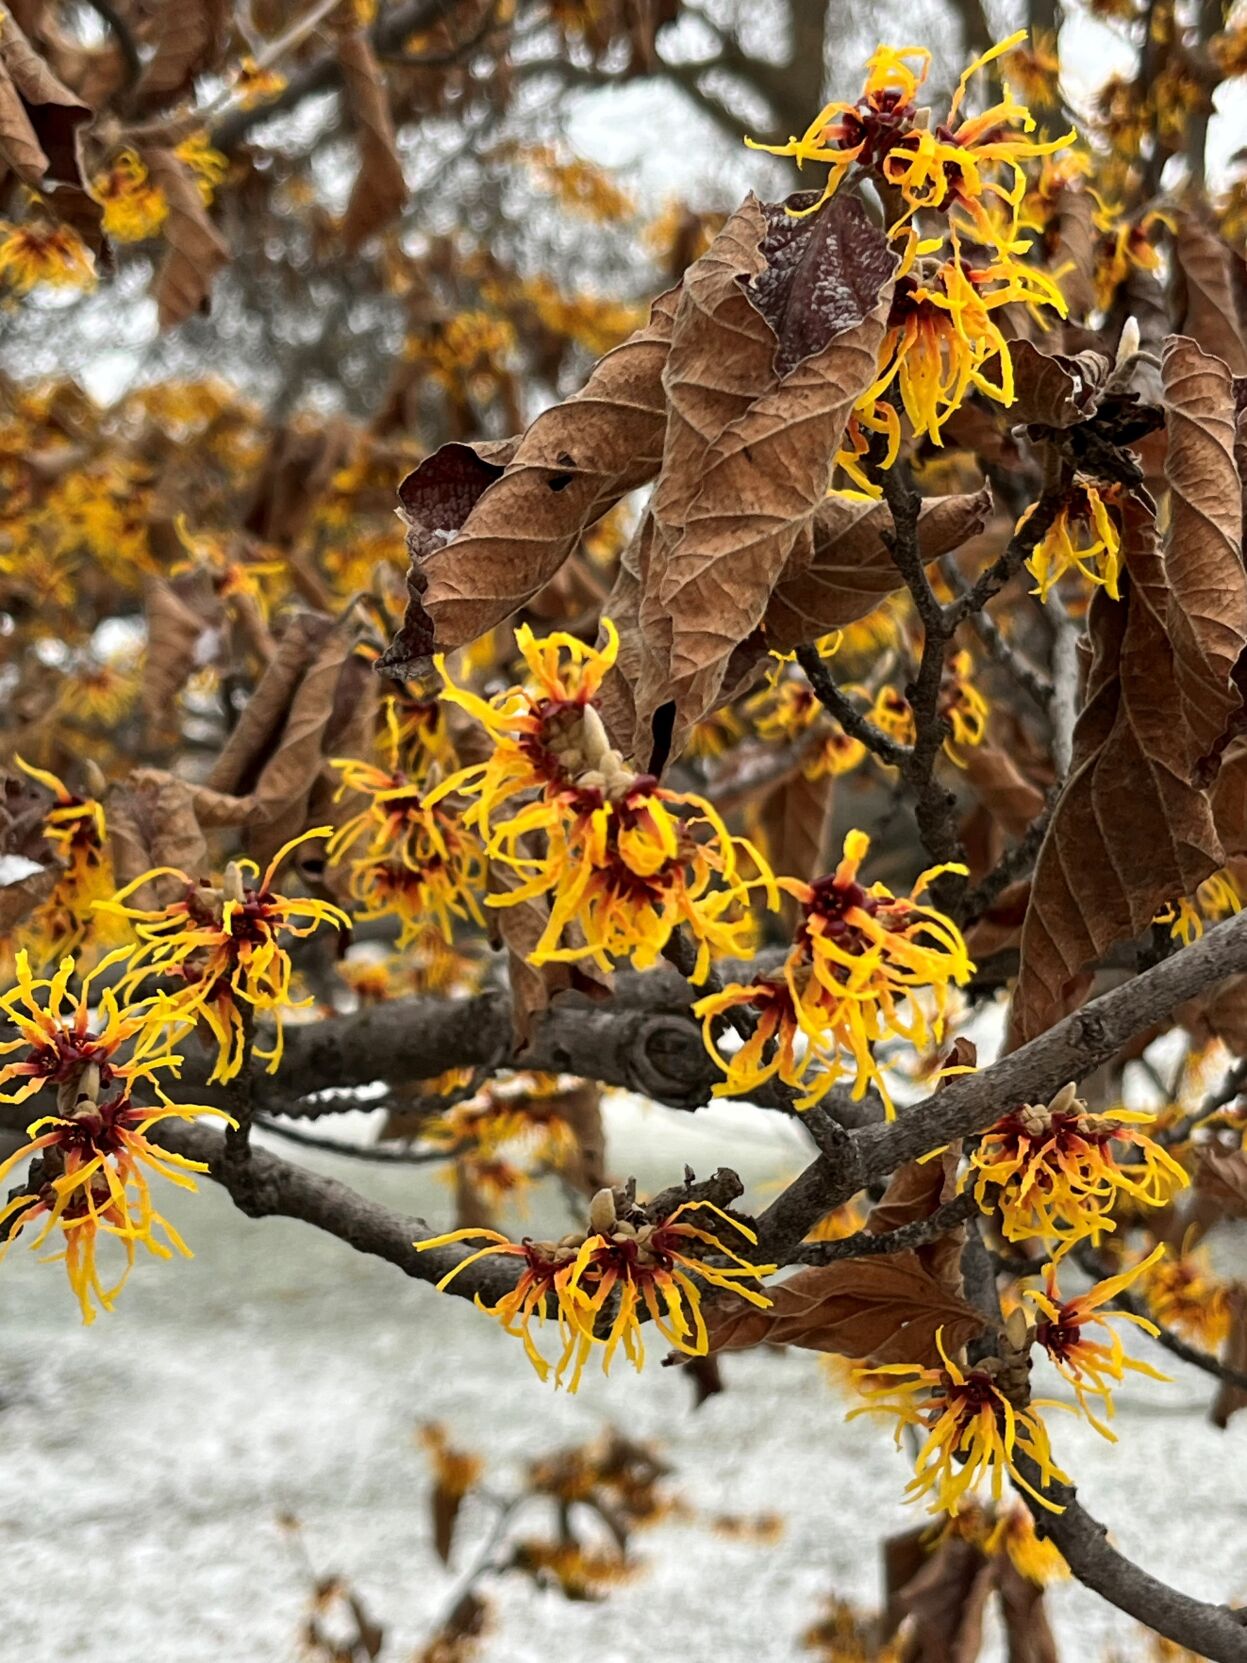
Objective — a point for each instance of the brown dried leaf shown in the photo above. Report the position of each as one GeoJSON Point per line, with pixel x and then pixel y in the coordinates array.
{"type": "Point", "coordinates": [255, 733]}
{"type": "Point", "coordinates": [19, 896]}
{"type": "Point", "coordinates": [852, 571]}
{"type": "Point", "coordinates": [792, 822]}
{"type": "Point", "coordinates": [483, 542]}
{"type": "Point", "coordinates": [886, 1309]}
{"type": "Point", "coordinates": [1028, 1633]}
{"type": "Point", "coordinates": [1204, 299]}
{"type": "Point", "coordinates": [918, 1188]}
{"type": "Point", "coordinates": [39, 118]}
{"type": "Point", "coordinates": [1230, 1399]}
{"type": "Point", "coordinates": [1220, 1014]}
{"type": "Point", "coordinates": [1203, 540]}
{"type": "Point", "coordinates": [758, 410]}
{"type": "Point", "coordinates": [1221, 1174]}
{"type": "Point", "coordinates": [1130, 831]}
{"type": "Point", "coordinates": [533, 987]}
{"type": "Point", "coordinates": [173, 631]}
{"type": "Point", "coordinates": [186, 38]}
{"type": "Point", "coordinates": [946, 1600]}
{"type": "Point", "coordinates": [380, 190]}
{"type": "Point", "coordinates": [1054, 390]}
{"type": "Point", "coordinates": [1013, 802]}
{"type": "Point", "coordinates": [1074, 254]}
{"type": "Point", "coordinates": [444, 1504]}
{"type": "Point", "coordinates": [194, 249]}
{"type": "Point", "coordinates": [581, 1107]}
{"type": "Point", "coordinates": [289, 776]}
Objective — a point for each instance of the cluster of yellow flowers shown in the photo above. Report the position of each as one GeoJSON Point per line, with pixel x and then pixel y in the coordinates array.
{"type": "Point", "coordinates": [602, 1280]}
{"type": "Point", "coordinates": [966, 177]}
{"type": "Point", "coordinates": [221, 949]}
{"type": "Point", "coordinates": [621, 866]}
{"type": "Point", "coordinates": [864, 964]}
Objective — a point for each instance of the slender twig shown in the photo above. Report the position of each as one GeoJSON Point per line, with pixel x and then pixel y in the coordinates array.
{"type": "Point", "coordinates": [863, 1244]}
{"type": "Point", "coordinates": [375, 1153]}
{"type": "Point", "coordinates": [846, 712]}
{"type": "Point", "coordinates": [1014, 863]}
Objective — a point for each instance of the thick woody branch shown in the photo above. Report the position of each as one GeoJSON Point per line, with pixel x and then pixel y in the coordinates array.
{"type": "Point", "coordinates": [1068, 1051]}
{"type": "Point", "coordinates": [1214, 1631]}
{"type": "Point", "coordinates": [272, 1188]}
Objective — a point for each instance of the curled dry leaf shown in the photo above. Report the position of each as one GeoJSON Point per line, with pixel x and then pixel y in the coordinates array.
{"type": "Point", "coordinates": [945, 1598]}
{"type": "Point", "coordinates": [1130, 831]}
{"type": "Point", "coordinates": [1054, 390]}
{"type": "Point", "coordinates": [183, 40]}
{"type": "Point", "coordinates": [175, 623]}
{"type": "Point", "coordinates": [886, 1309]}
{"type": "Point", "coordinates": [288, 778]}
{"type": "Point", "coordinates": [194, 249]}
{"type": "Point", "coordinates": [1203, 541]}
{"type": "Point", "coordinates": [777, 336]}
{"type": "Point", "coordinates": [1220, 1014]}
{"type": "Point", "coordinates": [851, 570]}
{"type": "Point", "coordinates": [792, 821]}
{"type": "Point", "coordinates": [1205, 303]}
{"type": "Point", "coordinates": [380, 190]}
{"type": "Point", "coordinates": [256, 731]}
{"type": "Point", "coordinates": [491, 525]}
{"type": "Point", "coordinates": [39, 118]}
{"type": "Point", "coordinates": [1221, 1174]}
{"type": "Point", "coordinates": [24, 885]}
{"type": "Point", "coordinates": [918, 1188]}
{"type": "Point", "coordinates": [533, 987]}
{"type": "Point", "coordinates": [1230, 1399]}
{"type": "Point", "coordinates": [994, 778]}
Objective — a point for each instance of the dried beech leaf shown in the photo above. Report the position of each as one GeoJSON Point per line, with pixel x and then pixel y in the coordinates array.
{"type": "Point", "coordinates": [380, 190]}
{"type": "Point", "coordinates": [851, 570]}
{"type": "Point", "coordinates": [741, 486]}
{"type": "Point", "coordinates": [533, 987]}
{"type": "Point", "coordinates": [886, 1309]}
{"type": "Point", "coordinates": [1220, 1014]}
{"type": "Point", "coordinates": [1222, 1174]}
{"type": "Point", "coordinates": [1230, 1399]}
{"type": "Point", "coordinates": [946, 1600]}
{"type": "Point", "coordinates": [792, 822]}
{"type": "Point", "coordinates": [1054, 390]}
{"type": "Point", "coordinates": [185, 38]}
{"type": "Point", "coordinates": [1013, 802]}
{"type": "Point", "coordinates": [1129, 832]}
{"type": "Point", "coordinates": [21, 894]}
{"type": "Point", "coordinates": [287, 780]}
{"type": "Point", "coordinates": [445, 1504]}
{"type": "Point", "coordinates": [194, 249]}
{"type": "Point", "coordinates": [39, 118]}
{"type": "Point", "coordinates": [256, 731]}
{"type": "Point", "coordinates": [581, 1107]}
{"type": "Point", "coordinates": [1028, 1633]}
{"type": "Point", "coordinates": [1203, 539]}
{"type": "Point", "coordinates": [173, 632]}
{"type": "Point", "coordinates": [1204, 299]}
{"type": "Point", "coordinates": [472, 569]}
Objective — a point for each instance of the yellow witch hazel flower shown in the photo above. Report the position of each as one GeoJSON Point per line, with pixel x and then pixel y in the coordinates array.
{"type": "Point", "coordinates": [1091, 1365]}
{"type": "Point", "coordinates": [1054, 1172]}
{"type": "Point", "coordinates": [864, 964]}
{"type": "Point", "coordinates": [134, 208]}
{"type": "Point", "coordinates": [1217, 898]}
{"type": "Point", "coordinates": [976, 1425]}
{"type": "Point", "coordinates": [226, 943]}
{"type": "Point", "coordinates": [646, 1266]}
{"type": "Point", "coordinates": [622, 869]}
{"type": "Point", "coordinates": [76, 830]}
{"type": "Point", "coordinates": [39, 251]}
{"type": "Point", "coordinates": [94, 1053]}
{"type": "Point", "coordinates": [942, 337]}
{"type": "Point", "coordinates": [419, 863]}
{"type": "Point", "coordinates": [1085, 537]}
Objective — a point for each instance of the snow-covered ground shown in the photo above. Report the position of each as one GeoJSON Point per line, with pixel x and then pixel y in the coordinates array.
{"type": "Point", "coordinates": [146, 1459]}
